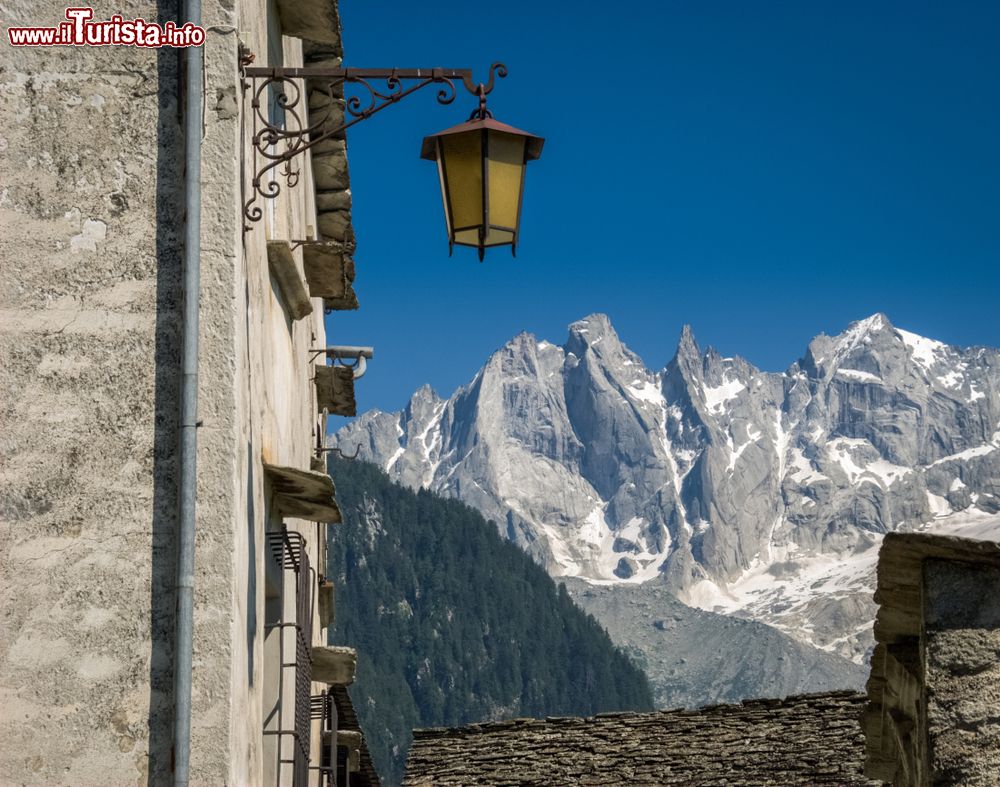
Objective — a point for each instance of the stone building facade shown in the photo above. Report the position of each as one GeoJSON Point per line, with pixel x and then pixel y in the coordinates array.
{"type": "Point", "coordinates": [934, 692]}
{"type": "Point", "coordinates": [91, 243]}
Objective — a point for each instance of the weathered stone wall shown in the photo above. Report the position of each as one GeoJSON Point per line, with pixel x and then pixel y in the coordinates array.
{"type": "Point", "coordinates": [91, 228]}
{"type": "Point", "coordinates": [90, 215]}
{"type": "Point", "coordinates": [932, 716]}
{"type": "Point", "coordinates": [962, 663]}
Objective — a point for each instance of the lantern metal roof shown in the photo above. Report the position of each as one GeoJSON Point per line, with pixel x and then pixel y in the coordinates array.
{"type": "Point", "coordinates": [533, 143]}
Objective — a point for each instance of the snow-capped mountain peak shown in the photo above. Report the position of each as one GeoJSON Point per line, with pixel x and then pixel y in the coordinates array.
{"type": "Point", "coordinates": [728, 483]}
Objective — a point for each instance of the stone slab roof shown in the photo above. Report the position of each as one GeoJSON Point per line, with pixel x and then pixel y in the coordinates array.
{"type": "Point", "coordinates": [347, 719]}
{"type": "Point", "coordinates": [807, 739]}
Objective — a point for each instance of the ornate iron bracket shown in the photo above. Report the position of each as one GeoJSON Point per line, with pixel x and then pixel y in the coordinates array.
{"type": "Point", "coordinates": [304, 123]}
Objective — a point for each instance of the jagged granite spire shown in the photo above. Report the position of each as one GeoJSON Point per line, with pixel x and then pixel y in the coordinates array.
{"type": "Point", "coordinates": [743, 490]}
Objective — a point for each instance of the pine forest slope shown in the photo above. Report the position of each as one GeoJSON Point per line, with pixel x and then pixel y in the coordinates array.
{"type": "Point", "coordinates": [455, 625]}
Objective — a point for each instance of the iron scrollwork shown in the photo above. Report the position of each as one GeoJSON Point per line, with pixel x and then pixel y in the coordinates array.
{"type": "Point", "coordinates": [300, 124]}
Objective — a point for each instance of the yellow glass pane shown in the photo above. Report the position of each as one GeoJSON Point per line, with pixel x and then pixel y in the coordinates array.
{"type": "Point", "coordinates": [463, 168]}
{"type": "Point", "coordinates": [497, 237]}
{"type": "Point", "coordinates": [467, 238]}
{"type": "Point", "coordinates": [506, 168]}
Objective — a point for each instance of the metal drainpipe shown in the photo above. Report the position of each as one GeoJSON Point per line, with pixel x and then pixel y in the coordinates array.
{"type": "Point", "coordinates": [194, 61]}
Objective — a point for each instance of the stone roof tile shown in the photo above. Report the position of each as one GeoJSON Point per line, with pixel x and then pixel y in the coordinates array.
{"type": "Point", "coordinates": [807, 739]}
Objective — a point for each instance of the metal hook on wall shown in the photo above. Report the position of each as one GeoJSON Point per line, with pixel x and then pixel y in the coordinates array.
{"type": "Point", "coordinates": [344, 356]}
{"type": "Point", "coordinates": [339, 452]}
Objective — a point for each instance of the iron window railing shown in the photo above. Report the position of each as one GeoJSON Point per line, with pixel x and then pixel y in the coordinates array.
{"type": "Point", "coordinates": [288, 549]}
{"type": "Point", "coordinates": [324, 709]}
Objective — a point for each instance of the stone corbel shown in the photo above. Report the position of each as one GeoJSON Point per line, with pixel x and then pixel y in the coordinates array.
{"type": "Point", "coordinates": [334, 665]}
{"type": "Point", "coordinates": [304, 494]}
{"type": "Point", "coordinates": [335, 390]}
{"type": "Point", "coordinates": [281, 263]}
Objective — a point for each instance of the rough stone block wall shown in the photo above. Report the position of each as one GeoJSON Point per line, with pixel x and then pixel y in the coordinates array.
{"type": "Point", "coordinates": [962, 658]}
{"type": "Point", "coordinates": [90, 216]}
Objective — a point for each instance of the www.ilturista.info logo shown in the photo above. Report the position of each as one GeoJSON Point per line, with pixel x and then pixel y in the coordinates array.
{"type": "Point", "coordinates": [79, 30]}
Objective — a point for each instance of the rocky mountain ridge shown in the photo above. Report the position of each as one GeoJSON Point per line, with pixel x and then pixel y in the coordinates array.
{"type": "Point", "coordinates": [753, 493]}
{"type": "Point", "coordinates": [695, 658]}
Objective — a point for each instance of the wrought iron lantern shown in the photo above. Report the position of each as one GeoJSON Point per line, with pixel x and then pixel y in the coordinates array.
{"type": "Point", "coordinates": [481, 162]}
{"type": "Point", "coordinates": [481, 166]}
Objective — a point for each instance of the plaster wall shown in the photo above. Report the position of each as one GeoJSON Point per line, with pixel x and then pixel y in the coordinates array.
{"type": "Point", "coordinates": [91, 228]}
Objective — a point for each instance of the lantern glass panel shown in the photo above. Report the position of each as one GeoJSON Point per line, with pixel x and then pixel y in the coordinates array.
{"type": "Point", "coordinates": [495, 237]}
{"type": "Point", "coordinates": [467, 237]}
{"type": "Point", "coordinates": [505, 171]}
{"type": "Point", "coordinates": [463, 175]}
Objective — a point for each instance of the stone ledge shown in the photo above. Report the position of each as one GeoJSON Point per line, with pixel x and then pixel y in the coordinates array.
{"type": "Point", "coordinates": [281, 263]}
{"type": "Point", "coordinates": [329, 270]}
{"type": "Point", "coordinates": [303, 493]}
{"type": "Point", "coordinates": [335, 390]}
{"type": "Point", "coordinates": [334, 665]}
{"type": "Point", "coordinates": [313, 20]}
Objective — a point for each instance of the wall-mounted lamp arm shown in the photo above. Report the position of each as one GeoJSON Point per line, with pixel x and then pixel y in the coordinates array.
{"type": "Point", "coordinates": [281, 140]}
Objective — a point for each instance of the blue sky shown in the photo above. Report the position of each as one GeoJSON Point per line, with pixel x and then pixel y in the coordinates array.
{"type": "Point", "coordinates": [762, 171]}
